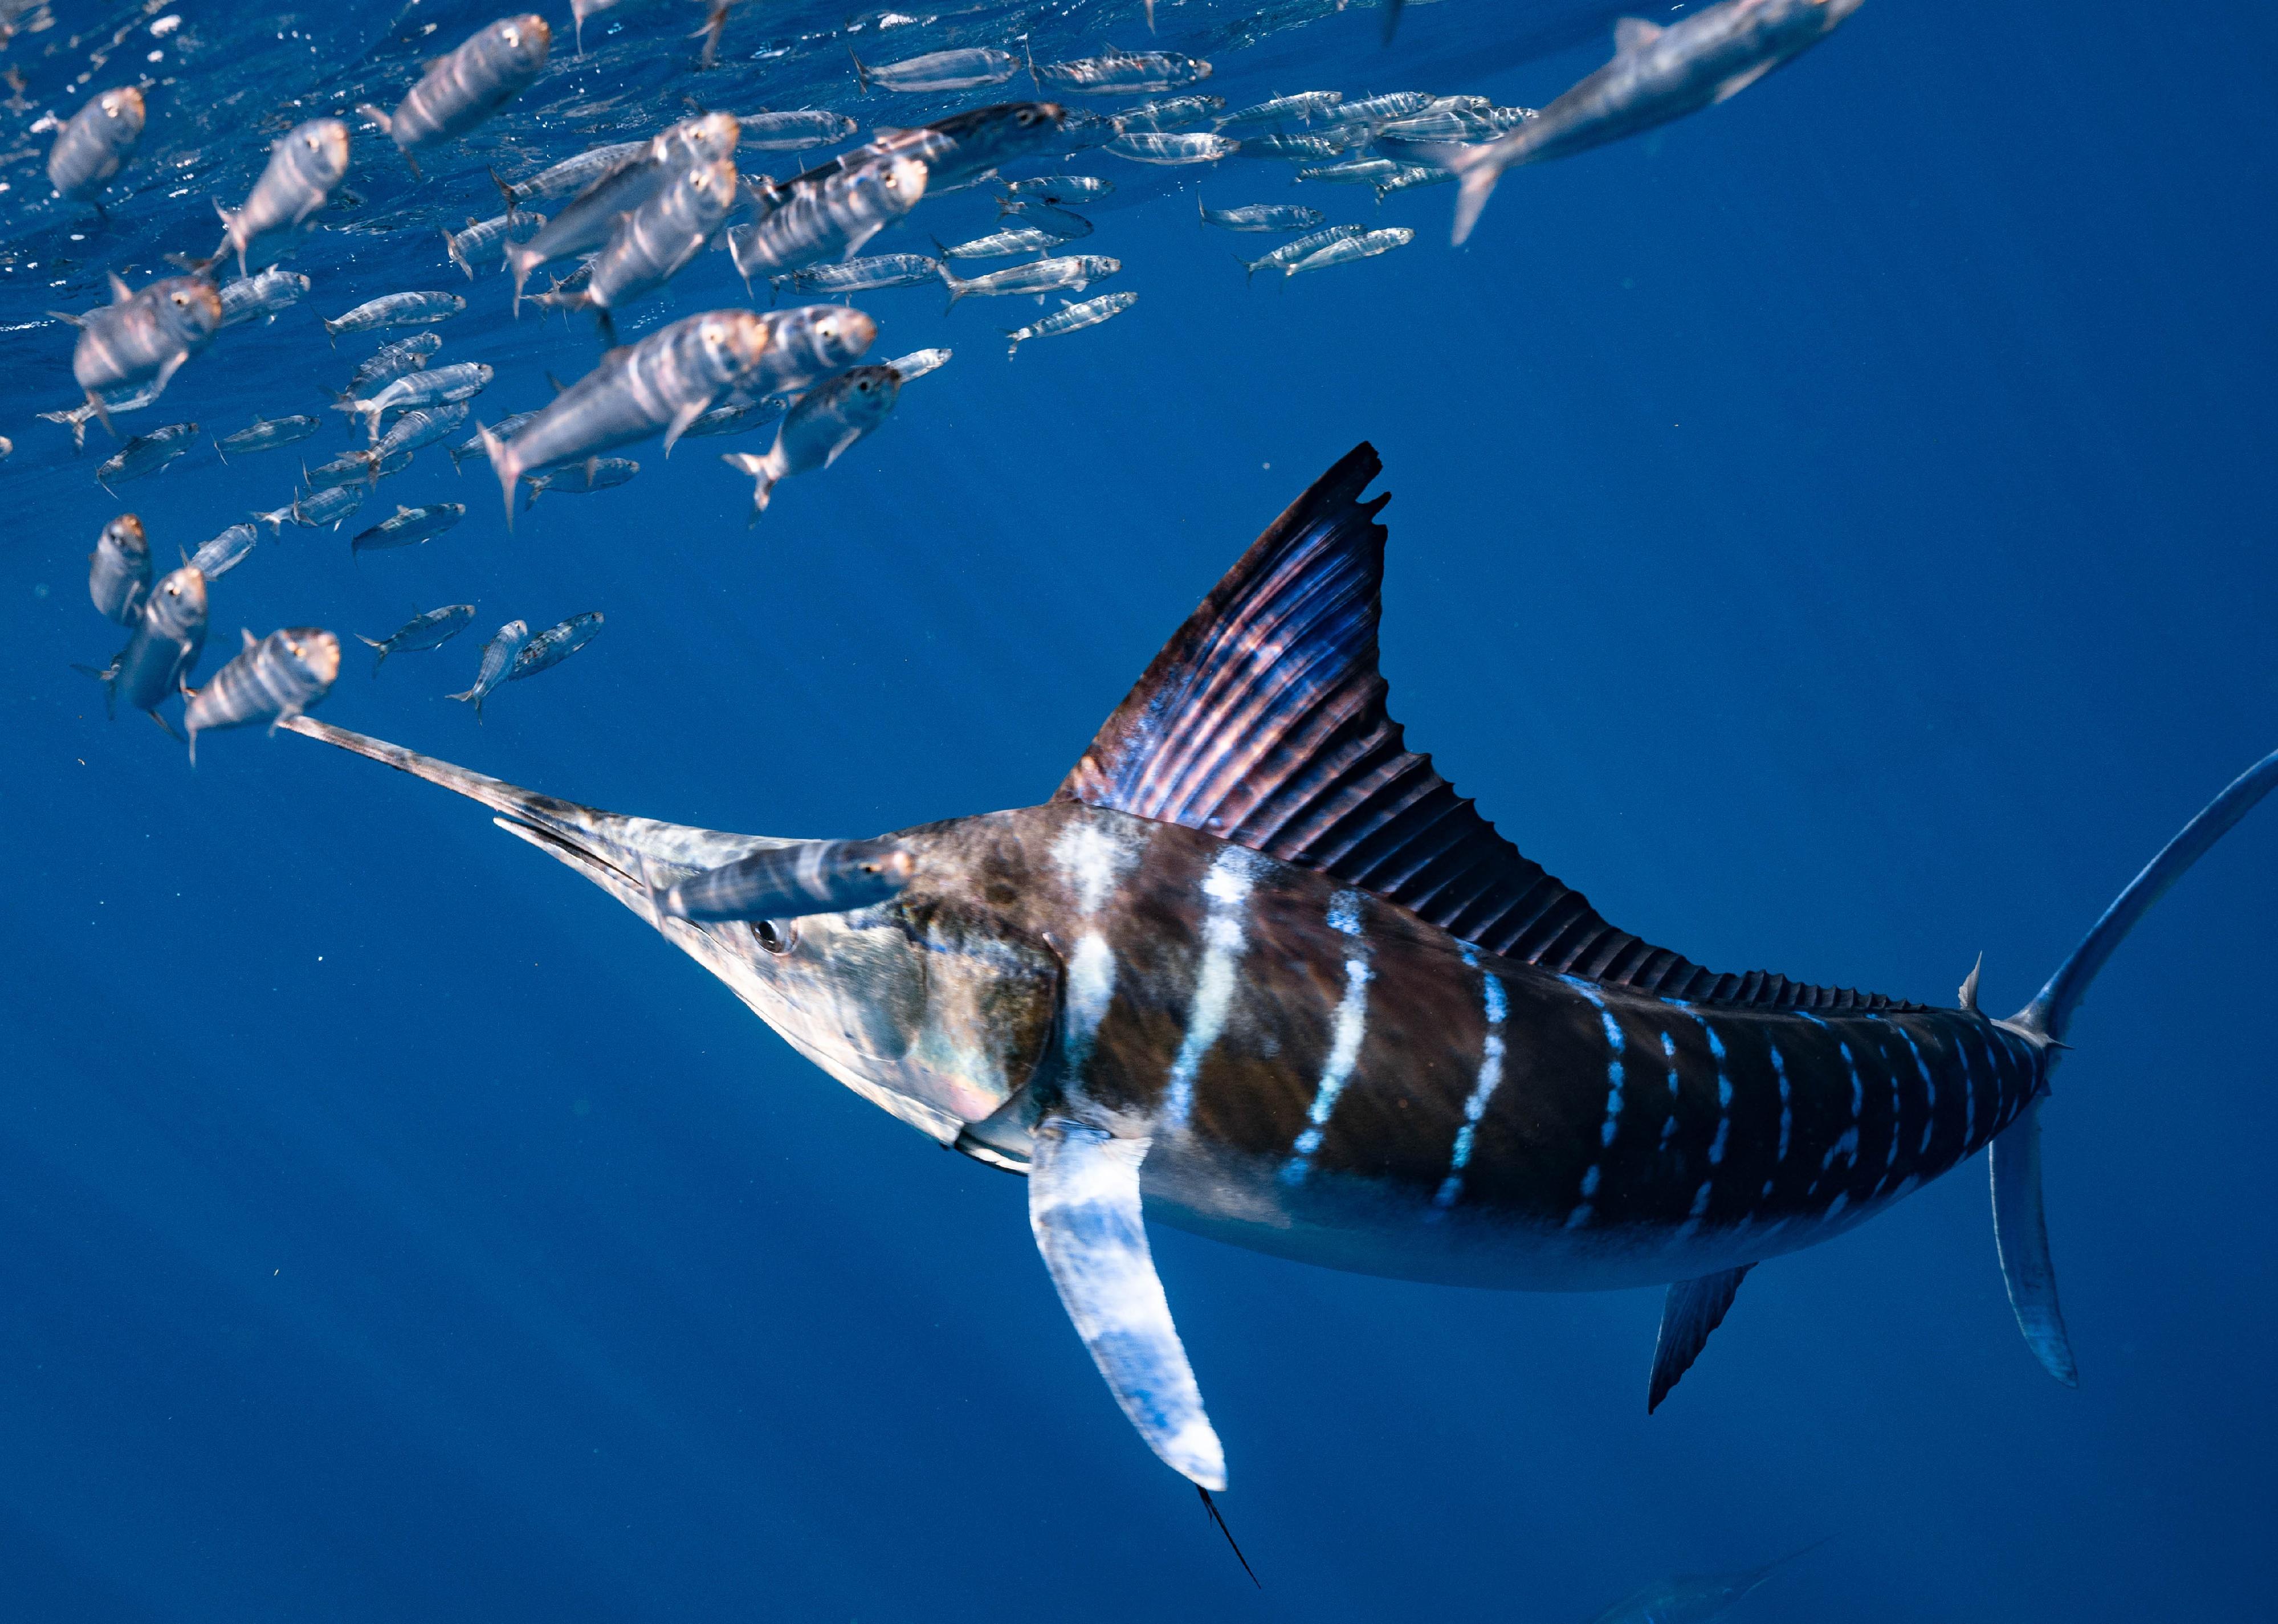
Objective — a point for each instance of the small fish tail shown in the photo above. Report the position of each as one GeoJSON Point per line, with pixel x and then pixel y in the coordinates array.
{"type": "Point", "coordinates": [386, 125]}
{"type": "Point", "coordinates": [861, 73]}
{"type": "Point", "coordinates": [502, 464]}
{"type": "Point", "coordinates": [451, 246]}
{"type": "Point", "coordinates": [379, 659]}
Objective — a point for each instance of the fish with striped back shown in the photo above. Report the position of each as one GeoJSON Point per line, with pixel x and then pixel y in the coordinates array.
{"type": "Point", "coordinates": [1256, 959]}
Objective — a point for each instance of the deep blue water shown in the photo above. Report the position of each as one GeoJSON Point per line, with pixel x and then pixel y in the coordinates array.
{"type": "Point", "coordinates": [1834, 533]}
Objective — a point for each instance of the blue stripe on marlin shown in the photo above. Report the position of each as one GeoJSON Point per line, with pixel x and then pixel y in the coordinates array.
{"type": "Point", "coordinates": [1258, 964]}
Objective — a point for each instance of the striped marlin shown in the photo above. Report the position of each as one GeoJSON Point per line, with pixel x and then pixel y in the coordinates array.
{"type": "Point", "coordinates": [1258, 971]}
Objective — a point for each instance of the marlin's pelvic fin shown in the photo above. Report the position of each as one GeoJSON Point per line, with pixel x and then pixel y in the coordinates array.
{"type": "Point", "coordinates": [1692, 1310]}
{"type": "Point", "coordinates": [1083, 1205]}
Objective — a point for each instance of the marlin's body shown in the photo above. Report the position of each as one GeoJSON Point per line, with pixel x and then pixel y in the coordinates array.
{"type": "Point", "coordinates": [1257, 966]}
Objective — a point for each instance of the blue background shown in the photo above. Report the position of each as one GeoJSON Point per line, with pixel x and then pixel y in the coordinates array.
{"type": "Point", "coordinates": [1834, 531]}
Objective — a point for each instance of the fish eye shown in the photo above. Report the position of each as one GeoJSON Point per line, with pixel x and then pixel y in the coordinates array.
{"type": "Point", "coordinates": [777, 936]}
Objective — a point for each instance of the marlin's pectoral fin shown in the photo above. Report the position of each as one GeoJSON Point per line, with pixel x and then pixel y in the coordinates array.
{"type": "Point", "coordinates": [1083, 1205]}
{"type": "Point", "coordinates": [2020, 1234]}
{"type": "Point", "coordinates": [1692, 1310]}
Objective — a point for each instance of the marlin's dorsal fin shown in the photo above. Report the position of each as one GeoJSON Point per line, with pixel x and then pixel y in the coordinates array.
{"type": "Point", "coordinates": [1634, 33]}
{"type": "Point", "coordinates": [246, 632]}
{"type": "Point", "coordinates": [1263, 722]}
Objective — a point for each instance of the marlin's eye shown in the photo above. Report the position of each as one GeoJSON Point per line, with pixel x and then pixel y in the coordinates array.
{"type": "Point", "coordinates": [777, 936]}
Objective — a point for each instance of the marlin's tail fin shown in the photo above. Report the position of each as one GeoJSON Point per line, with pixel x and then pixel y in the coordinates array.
{"type": "Point", "coordinates": [2020, 1224]}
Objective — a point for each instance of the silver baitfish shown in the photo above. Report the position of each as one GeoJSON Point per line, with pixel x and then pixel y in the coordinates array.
{"type": "Point", "coordinates": [416, 429]}
{"type": "Point", "coordinates": [1121, 72]}
{"type": "Point", "coordinates": [1693, 1598]}
{"type": "Point", "coordinates": [549, 648]}
{"type": "Point", "coordinates": [261, 297]}
{"type": "Point", "coordinates": [918, 362]}
{"type": "Point", "coordinates": [794, 881]}
{"type": "Point", "coordinates": [1378, 110]}
{"type": "Point", "coordinates": [504, 429]}
{"type": "Point", "coordinates": [580, 10]}
{"type": "Point", "coordinates": [466, 87]}
{"type": "Point", "coordinates": [1657, 74]}
{"type": "Point", "coordinates": [1034, 211]}
{"type": "Point", "coordinates": [430, 386]}
{"type": "Point", "coordinates": [74, 418]}
{"type": "Point", "coordinates": [498, 659]}
{"type": "Point", "coordinates": [1409, 176]}
{"type": "Point", "coordinates": [482, 237]}
{"type": "Point", "coordinates": [581, 478]}
{"type": "Point", "coordinates": [1300, 148]}
{"type": "Point", "coordinates": [940, 70]}
{"type": "Point", "coordinates": [313, 510]}
{"type": "Point", "coordinates": [94, 144]}
{"type": "Point", "coordinates": [1061, 188]}
{"type": "Point", "coordinates": [391, 360]}
{"type": "Point", "coordinates": [1175, 114]}
{"type": "Point", "coordinates": [736, 419]}
{"type": "Point", "coordinates": [267, 434]}
{"type": "Point", "coordinates": [1289, 253]}
{"type": "Point", "coordinates": [1303, 107]}
{"type": "Point", "coordinates": [352, 468]}
{"type": "Point", "coordinates": [1149, 147]}
{"type": "Point", "coordinates": [142, 338]}
{"type": "Point", "coordinates": [1441, 124]}
{"type": "Point", "coordinates": [667, 380]}
{"type": "Point", "coordinates": [827, 219]}
{"type": "Point", "coordinates": [956, 150]}
{"type": "Point", "coordinates": [408, 527]}
{"type": "Point", "coordinates": [1261, 217]}
{"type": "Point", "coordinates": [1071, 319]}
{"type": "Point", "coordinates": [860, 275]}
{"type": "Point", "coordinates": [169, 635]}
{"type": "Point", "coordinates": [420, 310]}
{"type": "Point", "coordinates": [1077, 272]}
{"type": "Point", "coordinates": [305, 164]}
{"type": "Point", "coordinates": [119, 569]}
{"type": "Point", "coordinates": [272, 679]}
{"type": "Point", "coordinates": [1352, 171]}
{"type": "Point", "coordinates": [795, 131]}
{"type": "Point", "coordinates": [147, 454]}
{"type": "Point", "coordinates": [1002, 245]}
{"type": "Point", "coordinates": [817, 432]}
{"type": "Point", "coordinates": [1367, 245]}
{"type": "Point", "coordinates": [568, 177]}
{"type": "Point", "coordinates": [652, 244]}
{"type": "Point", "coordinates": [587, 222]}
{"type": "Point", "coordinates": [226, 552]}
{"type": "Point", "coordinates": [430, 630]}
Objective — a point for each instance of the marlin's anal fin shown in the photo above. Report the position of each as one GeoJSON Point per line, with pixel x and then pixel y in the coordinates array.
{"type": "Point", "coordinates": [2021, 1233]}
{"type": "Point", "coordinates": [1083, 1205]}
{"type": "Point", "coordinates": [1692, 1310]}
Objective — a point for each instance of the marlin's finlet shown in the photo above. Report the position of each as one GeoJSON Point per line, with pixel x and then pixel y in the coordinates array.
{"type": "Point", "coordinates": [1083, 1205]}
{"type": "Point", "coordinates": [1692, 1310]}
